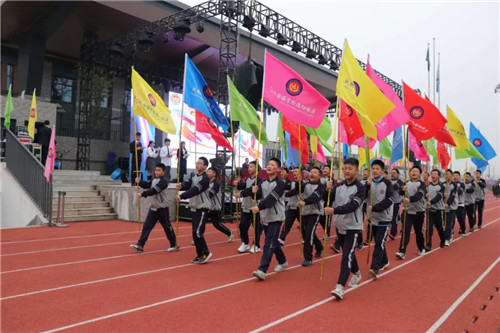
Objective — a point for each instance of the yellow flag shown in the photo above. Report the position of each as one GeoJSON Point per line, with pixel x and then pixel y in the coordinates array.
{"type": "Point", "coordinates": [149, 105]}
{"type": "Point", "coordinates": [358, 90]}
{"type": "Point", "coordinates": [313, 142]}
{"type": "Point", "coordinates": [32, 116]}
{"type": "Point", "coordinates": [457, 130]}
{"type": "Point", "coordinates": [362, 156]}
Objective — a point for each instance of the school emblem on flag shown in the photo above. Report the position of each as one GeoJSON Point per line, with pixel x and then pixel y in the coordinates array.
{"type": "Point", "coordinates": [416, 112]}
{"type": "Point", "coordinates": [477, 142]}
{"type": "Point", "coordinates": [207, 92]}
{"type": "Point", "coordinates": [32, 113]}
{"type": "Point", "coordinates": [294, 87]}
{"type": "Point", "coordinates": [350, 111]}
{"type": "Point", "coordinates": [50, 153]}
{"type": "Point", "coordinates": [176, 99]}
{"type": "Point", "coordinates": [152, 100]}
{"type": "Point", "coordinates": [356, 88]}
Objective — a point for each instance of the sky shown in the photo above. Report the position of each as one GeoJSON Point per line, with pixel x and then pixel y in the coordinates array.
{"type": "Point", "coordinates": [396, 35]}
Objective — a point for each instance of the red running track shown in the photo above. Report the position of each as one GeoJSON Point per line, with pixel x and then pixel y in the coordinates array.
{"type": "Point", "coordinates": [86, 278]}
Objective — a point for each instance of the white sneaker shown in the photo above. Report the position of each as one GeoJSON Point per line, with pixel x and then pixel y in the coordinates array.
{"type": "Point", "coordinates": [354, 280]}
{"type": "Point", "coordinates": [281, 267]}
{"type": "Point", "coordinates": [231, 237]}
{"type": "Point", "coordinates": [385, 266]}
{"type": "Point", "coordinates": [281, 242]}
{"type": "Point", "coordinates": [259, 275]}
{"type": "Point", "coordinates": [173, 248]}
{"type": "Point", "coordinates": [243, 248]}
{"type": "Point", "coordinates": [338, 292]}
{"type": "Point", "coordinates": [254, 249]}
{"type": "Point", "coordinates": [446, 243]}
{"type": "Point", "coordinates": [421, 253]}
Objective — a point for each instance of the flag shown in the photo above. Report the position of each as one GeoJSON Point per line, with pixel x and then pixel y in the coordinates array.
{"type": "Point", "coordinates": [456, 130]}
{"type": "Point", "coordinates": [289, 93]}
{"type": "Point", "coordinates": [282, 138]}
{"type": "Point", "coordinates": [293, 129]}
{"type": "Point", "coordinates": [313, 142]}
{"type": "Point", "coordinates": [417, 148]}
{"type": "Point", "coordinates": [244, 112]}
{"type": "Point", "coordinates": [206, 125]}
{"type": "Point", "coordinates": [397, 145]}
{"type": "Point", "coordinates": [481, 144]}
{"type": "Point", "coordinates": [427, 58]}
{"type": "Point", "coordinates": [51, 156]}
{"type": "Point", "coordinates": [149, 105]}
{"type": "Point", "coordinates": [9, 106]}
{"type": "Point", "coordinates": [385, 148]}
{"type": "Point", "coordinates": [358, 90]}
{"type": "Point", "coordinates": [293, 155]}
{"type": "Point", "coordinates": [323, 132]}
{"type": "Point", "coordinates": [398, 116]}
{"type": "Point", "coordinates": [351, 122]}
{"type": "Point", "coordinates": [360, 142]}
{"type": "Point", "coordinates": [362, 156]}
{"type": "Point", "coordinates": [198, 95]}
{"type": "Point", "coordinates": [443, 156]}
{"type": "Point", "coordinates": [425, 118]}
{"type": "Point", "coordinates": [470, 152]}
{"type": "Point", "coordinates": [345, 151]}
{"type": "Point", "coordinates": [444, 136]}
{"type": "Point", "coordinates": [320, 155]}
{"type": "Point", "coordinates": [32, 116]}
{"type": "Point", "coordinates": [430, 146]}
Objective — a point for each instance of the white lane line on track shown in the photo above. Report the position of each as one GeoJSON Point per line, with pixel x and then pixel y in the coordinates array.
{"type": "Point", "coordinates": [315, 305]}
{"type": "Point", "coordinates": [459, 300]}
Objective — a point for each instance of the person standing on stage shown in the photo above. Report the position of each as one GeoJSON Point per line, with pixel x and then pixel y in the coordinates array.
{"type": "Point", "coordinates": [379, 212]}
{"type": "Point", "coordinates": [158, 212]}
{"type": "Point", "coordinates": [346, 198]}
{"type": "Point", "coordinates": [470, 200]}
{"type": "Point", "coordinates": [215, 214]}
{"type": "Point", "coordinates": [435, 203]}
{"type": "Point", "coordinates": [197, 192]}
{"type": "Point", "coordinates": [136, 158]}
{"type": "Point", "coordinates": [397, 186]}
{"type": "Point", "coordinates": [182, 156]}
{"type": "Point", "coordinates": [43, 136]}
{"type": "Point", "coordinates": [166, 158]}
{"type": "Point", "coordinates": [415, 212]}
{"type": "Point", "coordinates": [245, 165]}
{"type": "Point", "coordinates": [271, 207]}
{"type": "Point", "coordinates": [152, 154]}
{"type": "Point", "coordinates": [480, 184]}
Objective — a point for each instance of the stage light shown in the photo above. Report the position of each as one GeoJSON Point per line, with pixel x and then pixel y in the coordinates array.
{"type": "Point", "coordinates": [181, 29]}
{"type": "Point", "coordinates": [248, 22]}
{"type": "Point", "coordinates": [145, 41]}
{"type": "Point", "coordinates": [334, 65]}
{"type": "Point", "coordinates": [296, 47]}
{"type": "Point", "coordinates": [322, 60]}
{"type": "Point", "coordinates": [310, 54]}
{"type": "Point", "coordinates": [265, 30]}
{"type": "Point", "coordinates": [281, 40]}
{"type": "Point", "coordinates": [200, 27]}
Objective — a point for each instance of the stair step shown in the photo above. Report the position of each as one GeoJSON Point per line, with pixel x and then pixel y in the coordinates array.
{"type": "Point", "coordinates": [79, 199]}
{"type": "Point", "coordinates": [84, 211]}
{"type": "Point", "coordinates": [80, 205]}
{"type": "Point", "coordinates": [81, 182]}
{"type": "Point", "coordinates": [75, 172]}
{"type": "Point", "coordinates": [76, 187]}
{"type": "Point", "coordinates": [84, 218]}
{"type": "Point", "coordinates": [91, 193]}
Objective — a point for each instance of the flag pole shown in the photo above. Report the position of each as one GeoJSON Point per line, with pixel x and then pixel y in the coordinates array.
{"type": "Point", "coordinates": [257, 174]}
{"type": "Point", "coordinates": [369, 221]}
{"type": "Point", "coordinates": [300, 194]}
{"type": "Point", "coordinates": [137, 171]}
{"type": "Point", "coordinates": [439, 85]}
{"type": "Point", "coordinates": [405, 158]}
{"type": "Point", "coordinates": [428, 71]}
{"type": "Point", "coordinates": [427, 209]}
{"type": "Point", "coordinates": [179, 154]}
{"type": "Point", "coordinates": [233, 191]}
{"type": "Point", "coordinates": [434, 69]}
{"type": "Point", "coordinates": [238, 174]}
{"type": "Point", "coordinates": [335, 129]}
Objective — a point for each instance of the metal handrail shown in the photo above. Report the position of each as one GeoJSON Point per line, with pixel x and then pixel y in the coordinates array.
{"type": "Point", "coordinates": [28, 171]}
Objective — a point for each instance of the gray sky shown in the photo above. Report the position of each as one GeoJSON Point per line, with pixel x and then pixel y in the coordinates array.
{"type": "Point", "coordinates": [396, 33]}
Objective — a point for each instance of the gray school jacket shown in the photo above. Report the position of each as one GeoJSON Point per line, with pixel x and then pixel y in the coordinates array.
{"type": "Point", "coordinates": [272, 204]}
{"type": "Point", "coordinates": [196, 191]}
{"type": "Point", "coordinates": [382, 205]}
{"type": "Point", "coordinates": [461, 194]}
{"type": "Point", "coordinates": [452, 192]}
{"type": "Point", "coordinates": [215, 195]}
{"type": "Point", "coordinates": [156, 192]}
{"type": "Point", "coordinates": [480, 185]}
{"type": "Point", "coordinates": [346, 199]}
{"type": "Point", "coordinates": [313, 197]}
{"type": "Point", "coordinates": [397, 185]}
{"type": "Point", "coordinates": [293, 196]}
{"type": "Point", "coordinates": [436, 196]}
{"type": "Point", "coordinates": [245, 187]}
{"type": "Point", "coordinates": [470, 193]}
{"type": "Point", "coordinates": [416, 192]}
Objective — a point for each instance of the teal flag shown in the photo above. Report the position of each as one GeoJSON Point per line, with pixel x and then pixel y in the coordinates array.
{"type": "Point", "coordinates": [9, 106]}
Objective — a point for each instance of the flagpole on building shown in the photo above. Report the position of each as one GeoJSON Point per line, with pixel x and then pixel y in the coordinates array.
{"type": "Point", "coordinates": [334, 136]}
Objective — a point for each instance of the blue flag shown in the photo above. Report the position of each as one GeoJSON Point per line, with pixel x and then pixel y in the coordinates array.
{"type": "Point", "coordinates": [482, 145]}
{"type": "Point", "coordinates": [345, 151]}
{"type": "Point", "coordinates": [293, 154]}
{"type": "Point", "coordinates": [198, 96]}
{"type": "Point", "coordinates": [397, 145]}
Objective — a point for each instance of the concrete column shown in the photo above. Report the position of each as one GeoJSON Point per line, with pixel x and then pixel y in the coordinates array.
{"type": "Point", "coordinates": [31, 64]}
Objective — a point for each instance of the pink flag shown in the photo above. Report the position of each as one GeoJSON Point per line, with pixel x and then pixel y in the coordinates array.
{"type": "Point", "coordinates": [398, 116]}
{"type": "Point", "coordinates": [293, 96]}
{"type": "Point", "coordinates": [360, 142]}
{"type": "Point", "coordinates": [51, 156]}
{"type": "Point", "coordinates": [320, 156]}
{"type": "Point", "coordinates": [417, 148]}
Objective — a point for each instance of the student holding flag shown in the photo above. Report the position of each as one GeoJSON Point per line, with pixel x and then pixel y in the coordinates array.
{"type": "Point", "coordinates": [470, 200]}
{"type": "Point", "coordinates": [215, 214]}
{"type": "Point", "coordinates": [436, 207]}
{"type": "Point", "coordinates": [291, 209]}
{"type": "Point", "coordinates": [480, 184]}
{"type": "Point", "coordinates": [397, 185]}
{"type": "Point", "coordinates": [461, 202]}
{"type": "Point", "coordinates": [450, 206]}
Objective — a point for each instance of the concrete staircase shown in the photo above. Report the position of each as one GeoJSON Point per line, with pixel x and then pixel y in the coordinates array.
{"type": "Point", "coordinates": [83, 202]}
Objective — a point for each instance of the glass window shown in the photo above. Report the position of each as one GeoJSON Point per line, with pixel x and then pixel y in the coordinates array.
{"type": "Point", "coordinates": [62, 89]}
{"type": "Point", "coordinates": [10, 76]}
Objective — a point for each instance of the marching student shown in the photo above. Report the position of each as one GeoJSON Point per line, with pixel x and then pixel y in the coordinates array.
{"type": "Point", "coordinates": [363, 182]}
{"type": "Point", "coordinates": [461, 202]}
{"type": "Point", "coordinates": [326, 223]}
{"type": "Point", "coordinates": [215, 195]}
{"type": "Point", "coordinates": [291, 208]}
{"type": "Point", "coordinates": [480, 185]}
{"type": "Point", "coordinates": [272, 213]}
{"type": "Point", "coordinates": [287, 181]}
{"type": "Point", "coordinates": [312, 211]}
{"type": "Point", "coordinates": [450, 206]}
{"type": "Point", "coordinates": [379, 212]}
{"type": "Point", "coordinates": [246, 219]}
{"type": "Point", "coordinates": [346, 198]}
{"type": "Point", "coordinates": [158, 212]}
{"type": "Point", "coordinates": [415, 212]}
{"type": "Point", "coordinates": [397, 186]}
{"type": "Point", "coordinates": [470, 200]}
{"type": "Point", "coordinates": [196, 190]}
{"type": "Point", "coordinates": [436, 207]}
{"type": "Point", "coordinates": [425, 178]}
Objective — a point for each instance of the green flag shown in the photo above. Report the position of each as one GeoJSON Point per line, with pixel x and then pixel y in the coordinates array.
{"type": "Point", "coordinates": [9, 106]}
{"type": "Point", "coordinates": [430, 146]}
{"type": "Point", "coordinates": [471, 152]}
{"type": "Point", "coordinates": [385, 148]}
{"type": "Point", "coordinates": [281, 136]}
{"type": "Point", "coordinates": [323, 132]}
{"type": "Point", "coordinates": [244, 112]}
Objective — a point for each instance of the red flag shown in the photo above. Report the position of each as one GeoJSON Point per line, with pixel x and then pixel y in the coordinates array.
{"type": "Point", "coordinates": [206, 125]}
{"type": "Point", "coordinates": [293, 129]}
{"type": "Point", "coordinates": [442, 134]}
{"type": "Point", "coordinates": [443, 156]}
{"type": "Point", "coordinates": [425, 118]}
{"type": "Point", "coordinates": [351, 122]}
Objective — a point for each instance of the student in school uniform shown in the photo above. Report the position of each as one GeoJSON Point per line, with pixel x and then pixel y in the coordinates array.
{"type": "Point", "coordinates": [397, 185]}
{"type": "Point", "coordinates": [215, 195]}
{"type": "Point", "coordinates": [291, 208]}
{"type": "Point", "coordinates": [480, 184]}
{"type": "Point", "coordinates": [346, 198]}
{"type": "Point", "coordinates": [450, 206]}
{"type": "Point", "coordinates": [325, 223]}
{"type": "Point", "coordinates": [461, 202]}
{"type": "Point", "coordinates": [435, 203]}
{"type": "Point", "coordinates": [470, 200]}
{"type": "Point", "coordinates": [272, 212]}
